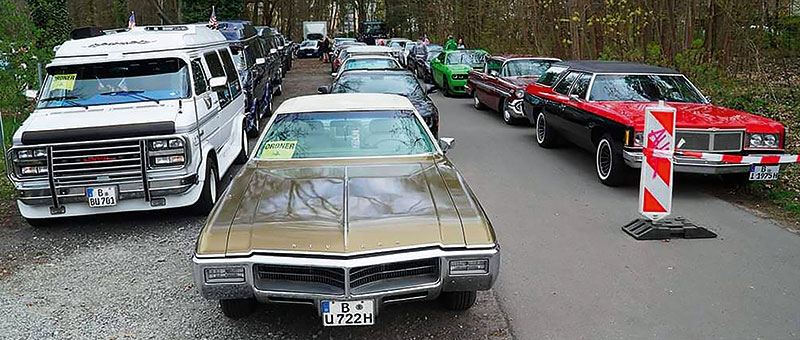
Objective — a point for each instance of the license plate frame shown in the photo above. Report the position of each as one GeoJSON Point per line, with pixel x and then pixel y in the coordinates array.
{"type": "Point", "coordinates": [102, 196]}
{"type": "Point", "coordinates": [763, 172]}
{"type": "Point", "coordinates": [337, 313]}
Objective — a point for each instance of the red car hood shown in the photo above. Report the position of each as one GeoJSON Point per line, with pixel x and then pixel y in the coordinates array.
{"type": "Point", "coordinates": [521, 81]}
{"type": "Point", "coordinates": [689, 115]}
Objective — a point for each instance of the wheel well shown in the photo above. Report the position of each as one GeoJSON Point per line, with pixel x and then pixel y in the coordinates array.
{"type": "Point", "coordinates": [501, 105]}
{"type": "Point", "coordinates": [596, 134]}
{"type": "Point", "coordinates": [212, 156]}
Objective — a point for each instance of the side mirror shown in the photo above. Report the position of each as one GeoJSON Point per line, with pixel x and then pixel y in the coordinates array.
{"type": "Point", "coordinates": [334, 74]}
{"type": "Point", "coordinates": [708, 99]}
{"type": "Point", "coordinates": [261, 61]}
{"type": "Point", "coordinates": [323, 90]}
{"type": "Point", "coordinates": [447, 143]}
{"type": "Point", "coordinates": [429, 88]}
{"type": "Point", "coordinates": [217, 82]}
{"type": "Point", "coordinates": [280, 48]}
{"type": "Point", "coordinates": [574, 97]}
{"type": "Point", "coordinates": [494, 73]}
{"type": "Point", "coordinates": [273, 50]}
{"type": "Point", "coordinates": [31, 94]}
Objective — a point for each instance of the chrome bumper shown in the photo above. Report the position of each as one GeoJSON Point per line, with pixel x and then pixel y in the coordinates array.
{"type": "Point", "coordinates": [516, 108]}
{"type": "Point", "coordinates": [395, 293]}
{"type": "Point", "coordinates": [692, 165]}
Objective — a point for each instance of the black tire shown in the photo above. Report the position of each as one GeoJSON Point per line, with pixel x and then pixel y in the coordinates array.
{"type": "Point", "coordinates": [237, 308]}
{"type": "Point", "coordinates": [252, 130]}
{"type": "Point", "coordinates": [476, 103]}
{"type": "Point", "coordinates": [609, 165]}
{"type": "Point", "coordinates": [458, 300]}
{"type": "Point", "coordinates": [546, 136]}
{"type": "Point", "coordinates": [208, 198]}
{"type": "Point", "coordinates": [241, 158]}
{"type": "Point", "coordinates": [446, 87]}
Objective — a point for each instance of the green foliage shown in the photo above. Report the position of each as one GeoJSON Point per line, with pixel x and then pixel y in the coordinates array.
{"type": "Point", "coordinates": [121, 13]}
{"type": "Point", "coordinates": [200, 10]}
{"type": "Point", "coordinates": [51, 17]}
{"type": "Point", "coordinates": [20, 51]}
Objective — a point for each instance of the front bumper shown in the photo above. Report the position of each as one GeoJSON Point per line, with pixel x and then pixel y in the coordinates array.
{"type": "Point", "coordinates": [384, 291]}
{"type": "Point", "coordinates": [458, 85]}
{"type": "Point", "coordinates": [633, 158]}
{"type": "Point", "coordinates": [516, 108]}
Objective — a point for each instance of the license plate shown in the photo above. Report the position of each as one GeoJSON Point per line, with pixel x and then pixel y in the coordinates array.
{"type": "Point", "coordinates": [348, 313]}
{"type": "Point", "coordinates": [764, 172]}
{"type": "Point", "coordinates": [101, 196]}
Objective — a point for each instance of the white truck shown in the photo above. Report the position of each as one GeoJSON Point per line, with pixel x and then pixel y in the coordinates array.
{"type": "Point", "coordinates": [140, 120]}
{"type": "Point", "coordinates": [314, 30]}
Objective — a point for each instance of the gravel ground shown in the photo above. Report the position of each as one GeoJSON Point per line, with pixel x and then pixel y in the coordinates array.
{"type": "Point", "coordinates": [127, 276]}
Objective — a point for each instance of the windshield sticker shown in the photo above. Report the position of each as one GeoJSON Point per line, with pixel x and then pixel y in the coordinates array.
{"type": "Point", "coordinates": [278, 150]}
{"type": "Point", "coordinates": [63, 82]}
{"type": "Point", "coordinates": [355, 138]}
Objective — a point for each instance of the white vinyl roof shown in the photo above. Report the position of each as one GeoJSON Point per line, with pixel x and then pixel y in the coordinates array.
{"type": "Point", "coordinates": [343, 102]}
{"type": "Point", "coordinates": [368, 49]}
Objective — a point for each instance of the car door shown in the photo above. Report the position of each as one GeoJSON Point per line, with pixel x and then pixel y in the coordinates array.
{"type": "Point", "coordinates": [437, 64]}
{"type": "Point", "coordinates": [259, 72]}
{"type": "Point", "coordinates": [575, 113]}
{"type": "Point", "coordinates": [223, 99]}
{"type": "Point", "coordinates": [229, 114]}
{"type": "Point", "coordinates": [554, 106]}
{"type": "Point", "coordinates": [206, 100]}
{"type": "Point", "coordinates": [491, 94]}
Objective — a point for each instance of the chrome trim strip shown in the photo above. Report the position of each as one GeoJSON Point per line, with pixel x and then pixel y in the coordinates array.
{"type": "Point", "coordinates": [345, 214]}
{"type": "Point", "coordinates": [376, 252]}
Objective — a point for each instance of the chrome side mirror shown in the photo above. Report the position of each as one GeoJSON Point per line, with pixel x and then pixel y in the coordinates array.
{"type": "Point", "coordinates": [447, 143]}
{"type": "Point", "coordinates": [273, 50]}
{"type": "Point", "coordinates": [334, 74]}
{"type": "Point", "coordinates": [708, 99]}
{"type": "Point", "coordinates": [31, 94]}
{"type": "Point", "coordinates": [323, 90]}
{"type": "Point", "coordinates": [261, 61]}
{"type": "Point", "coordinates": [216, 82]}
{"type": "Point", "coordinates": [429, 88]}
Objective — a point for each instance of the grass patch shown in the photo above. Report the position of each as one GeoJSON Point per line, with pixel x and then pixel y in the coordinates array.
{"type": "Point", "coordinates": [10, 124]}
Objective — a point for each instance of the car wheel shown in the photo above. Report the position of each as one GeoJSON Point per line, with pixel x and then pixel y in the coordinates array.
{"type": "Point", "coordinates": [546, 137]}
{"type": "Point", "coordinates": [252, 129]}
{"type": "Point", "coordinates": [446, 86]}
{"type": "Point", "coordinates": [476, 103]}
{"type": "Point", "coordinates": [237, 308]}
{"type": "Point", "coordinates": [506, 111]}
{"type": "Point", "coordinates": [241, 158]}
{"type": "Point", "coordinates": [610, 168]}
{"type": "Point", "coordinates": [208, 198]}
{"type": "Point", "coordinates": [458, 300]}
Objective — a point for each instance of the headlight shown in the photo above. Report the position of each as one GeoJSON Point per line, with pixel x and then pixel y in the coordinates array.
{"type": "Point", "coordinates": [637, 138]}
{"type": "Point", "coordinates": [169, 160]}
{"type": "Point", "coordinates": [469, 267]}
{"type": "Point", "coordinates": [459, 76]}
{"type": "Point", "coordinates": [30, 163]}
{"type": "Point", "coordinates": [167, 152]}
{"type": "Point", "coordinates": [519, 94]}
{"type": "Point", "coordinates": [224, 274]}
{"type": "Point", "coordinates": [763, 141]}
{"type": "Point", "coordinates": [33, 170]}
{"type": "Point", "coordinates": [27, 154]}
{"type": "Point", "coordinates": [164, 144]}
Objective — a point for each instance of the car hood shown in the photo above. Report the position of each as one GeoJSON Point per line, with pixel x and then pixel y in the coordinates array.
{"type": "Point", "coordinates": [459, 68]}
{"type": "Point", "coordinates": [522, 81]}
{"type": "Point", "coordinates": [345, 207]}
{"type": "Point", "coordinates": [693, 115]}
{"type": "Point", "coordinates": [424, 106]}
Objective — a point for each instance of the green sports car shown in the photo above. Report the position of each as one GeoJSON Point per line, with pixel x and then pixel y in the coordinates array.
{"type": "Point", "coordinates": [450, 69]}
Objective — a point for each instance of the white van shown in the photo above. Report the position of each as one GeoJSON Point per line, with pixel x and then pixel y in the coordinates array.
{"type": "Point", "coordinates": [140, 120]}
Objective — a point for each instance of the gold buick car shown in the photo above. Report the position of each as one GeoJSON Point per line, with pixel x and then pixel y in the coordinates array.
{"type": "Point", "coordinates": [348, 204]}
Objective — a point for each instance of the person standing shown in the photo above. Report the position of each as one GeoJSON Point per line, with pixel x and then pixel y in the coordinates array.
{"type": "Point", "coordinates": [461, 45]}
{"type": "Point", "coordinates": [450, 44]}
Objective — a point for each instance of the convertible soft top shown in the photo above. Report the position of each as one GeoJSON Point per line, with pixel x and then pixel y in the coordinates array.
{"type": "Point", "coordinates": [596, 66]}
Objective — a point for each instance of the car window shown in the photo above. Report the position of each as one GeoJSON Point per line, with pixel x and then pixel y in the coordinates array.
{"type": "Point", "coordinates": [371, 64]}
{"type": "Point", "coordinates": [249, 54]}
{"type": "Point", "coordinates": [344, 134]}
{"type": "Point", "coordinates": [199, 77]}
{"type": "Point", "coordinates": [551, 75]}
{"type": "Point", "coordinates": [230, 70]}
{"type": "Point", "coordinates": [581, 85]}
{"type": "Point", "coordinates": [644, 88]}
{"type": "Point", "coordinates": [526, 67]}
{"type": "Point", "coordinates": [472, 58]}
{"type": "Point", "coordinates": [403, 84]}
{"type": "Point", "coordinates": [563, 86]}
{"type": "Point", "coordinates": [493, 64]}
{"type": "Point", "coordinates": [440, 57]}
{"type": "Point", "coordinates": [215, 67]}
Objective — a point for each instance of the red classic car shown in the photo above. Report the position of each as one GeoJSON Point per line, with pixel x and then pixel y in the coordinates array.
{"type": "Point", "coordinates": [500, 85]}
{"type": "Point", "coordinates": [600, 106]}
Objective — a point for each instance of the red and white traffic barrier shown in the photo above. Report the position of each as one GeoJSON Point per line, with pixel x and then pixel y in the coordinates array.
{"type": "Point", "coordinates": [730, 159]}
{"type": "Point", "coordinates": [655, 186]}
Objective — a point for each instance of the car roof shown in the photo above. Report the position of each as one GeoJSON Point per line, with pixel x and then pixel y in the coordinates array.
{"type": "Point", "coordinates": [138, 40]}
{"type": "Point", "coordinates": [507, 57]}
{"type": "Point", "coordinates": [369, 49]}
{"type": "Point", "coordinates": [466, 50]}
{"type": "Point", "coordinates": [237, 29]}
{"type": "Point", "coordinates": [359, 57]}
{"type": "Point", "coordinates": [386, 72]}
{"type": "Point", "coordinates": [597, 66]}
{"type": "Point", "coordinates": [339, 102]}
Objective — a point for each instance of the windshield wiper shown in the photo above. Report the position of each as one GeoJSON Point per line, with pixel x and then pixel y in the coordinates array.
{"type": "Point", "coordinates": [133, 93]}
{"type": "Point", "coordinates": [68, 99]}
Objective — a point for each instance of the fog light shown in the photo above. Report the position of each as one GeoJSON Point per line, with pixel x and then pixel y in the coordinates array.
{"type": "Point", "coordinates": [469, 267]}
{"type": "Point", "coordinates": [169, 160]}
{"type": "Point", "coordinates": [33, 170]}
{"type": "Point", "coordinates": [224, 274]}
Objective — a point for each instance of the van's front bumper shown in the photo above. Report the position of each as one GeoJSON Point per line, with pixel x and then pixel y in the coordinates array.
{"type": "Point", "coordinates": [633, 158]}
{"type": "Point", "coordinates": [390, 289]}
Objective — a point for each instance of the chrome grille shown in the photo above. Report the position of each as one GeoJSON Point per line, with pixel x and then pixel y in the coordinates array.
{"type": "Point", "coordinates": [708, 140]}
{"type": "Point", "coordinates": [423, 269]}
{"type": "Point", "coordinates": [297, 278]}
{"type": "Point", "coordinates": [92, 163]}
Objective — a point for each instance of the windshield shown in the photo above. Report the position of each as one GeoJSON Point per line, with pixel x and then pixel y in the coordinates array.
{"type": "Point", "coordinates": [435, 48]}
{"type": "Point", "coordinates": [308, 43]}
{"type": "Point", "coordinates": [526, 67]}
{"type": "Point", "coordinates": [432, 55]}
{"type": "Point", "coordinates": [402, 84]}
{"type": "Point", "coordinates": [644, 88]}
{"type": "Point", "coordinates": [550, 76]}
{"type": "Point", "coordinates": [466, 58]}
{"type": "Point", "coordinates": [371, 64]}
{"type": "Point", "coordinates": [117, 82]}
{"type": "Point", "coordinates": [344, 134]}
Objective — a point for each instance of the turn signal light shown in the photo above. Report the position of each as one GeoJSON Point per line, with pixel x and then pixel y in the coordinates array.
{"type": "Point", "coordinates": [469, 267]}
{"type": "Point", "coordinates": [224, 274]}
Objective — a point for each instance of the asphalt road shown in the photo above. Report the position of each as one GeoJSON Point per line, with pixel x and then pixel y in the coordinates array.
{"type": "Point", "coordinates": [569, 272]}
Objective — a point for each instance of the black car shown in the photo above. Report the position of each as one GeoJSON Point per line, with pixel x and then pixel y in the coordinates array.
{"type": "Point", "coordinates": [276, 40]}
{"type": "Point", "coordinates": [273, 44]}
{"type": "Point", "coordinates": [257, 69]}
{"type": "Point", "coordinates": [400, 82]}
{"type": "Point", "coordinates": [422, 60]}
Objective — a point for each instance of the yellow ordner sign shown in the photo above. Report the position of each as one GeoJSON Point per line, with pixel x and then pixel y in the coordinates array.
{"type": "Point", "coordinates": [278, 150]}
{"type": "Point", "coordinates": [63, 82]}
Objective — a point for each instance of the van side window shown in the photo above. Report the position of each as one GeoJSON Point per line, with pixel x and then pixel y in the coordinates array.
{"type": "Point", "coordinates": [250, 53]}
{"type": "Point", "coordinates": [199, 77]}
{"type": "Point", "coordinates": [230, 69]}
{"type": "Point", "coordinates": [215, 67]}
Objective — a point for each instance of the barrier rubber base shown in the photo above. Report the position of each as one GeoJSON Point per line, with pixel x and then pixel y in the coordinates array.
{"type": "Point", "coordinates": [677, 227]}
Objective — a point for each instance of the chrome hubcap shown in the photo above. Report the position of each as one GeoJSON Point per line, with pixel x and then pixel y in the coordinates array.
{"type": "Point", "coordinates": [475, 98]}
{"type": "Point", "coordinates": [540, 128]}
{"type": "Point", "coordinates": [506, 114]}
{"type": "Point", "coordinates": [603, 159]}
{"type": "Point", "coordinates": [213, 186]}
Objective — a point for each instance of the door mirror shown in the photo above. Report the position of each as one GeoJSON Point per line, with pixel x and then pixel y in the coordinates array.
{"type": "Point", "coordinates": [273, 50]}
{"type": "Point", "coordinates": [494, 73]}
{"type": "Point", "coordinates": [447, 143]}
{"type": "Point", "coordinates": [217, 82]}
{"type": "Point", "coordinates": [280, 48]}
{"type": "Point", "coordinates": [430, 88]}
{"type": "Point", "coordinates": [708, 99]}
{"type": "Point", "coordinates": [334, 74]}
{"type": "Point", "coordinates": [323, 90]}
{"type": "Point", "coordinates": [261, 61]}
{"type": "Point", "coordinates": [31, 94]}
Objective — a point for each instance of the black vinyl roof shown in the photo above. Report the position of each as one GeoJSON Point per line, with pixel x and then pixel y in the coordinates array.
{"type": "Point", "coordinates": [596, 66]}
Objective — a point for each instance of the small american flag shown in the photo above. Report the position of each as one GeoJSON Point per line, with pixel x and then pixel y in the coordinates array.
{"type": "Point", "coordinates": [213, 20]}
{"type": "Point", "coordinates": [131, 21]}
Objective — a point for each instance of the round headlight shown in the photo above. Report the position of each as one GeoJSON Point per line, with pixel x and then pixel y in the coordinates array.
{"type": "Point", "coordinates": [519, 93]}
{"type": "Point", "coordinates": [756, 140]}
